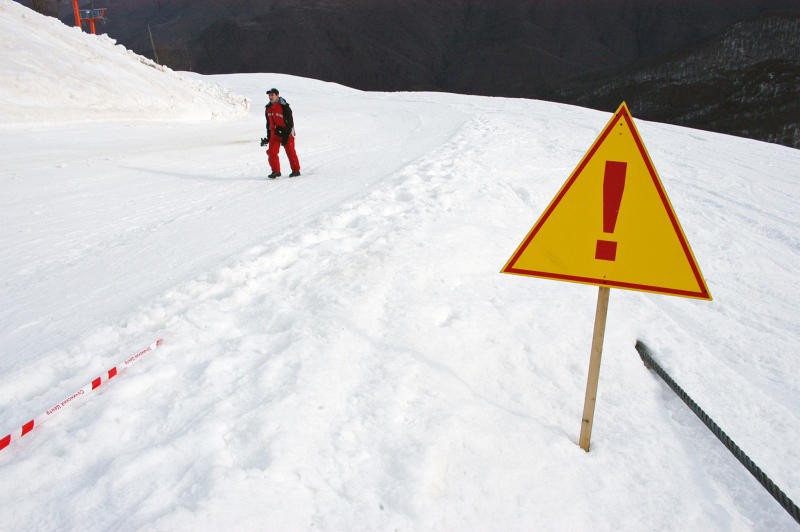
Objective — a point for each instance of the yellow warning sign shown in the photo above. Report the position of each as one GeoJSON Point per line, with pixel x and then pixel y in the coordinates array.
{"type": "Point", "coordinates": [611, 224]}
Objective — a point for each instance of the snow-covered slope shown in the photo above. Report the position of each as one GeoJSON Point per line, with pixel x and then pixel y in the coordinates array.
{"type": "Point", "coordinates": [52, 74]}
{"type": "Point", "coordinates": [340, 350]}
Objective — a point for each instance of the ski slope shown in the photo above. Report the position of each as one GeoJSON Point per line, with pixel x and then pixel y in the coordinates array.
{"type": "Point", "coordinates": [340, 351]}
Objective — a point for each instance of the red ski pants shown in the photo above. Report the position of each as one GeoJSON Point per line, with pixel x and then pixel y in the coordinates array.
{"type": "Point", "coordinates": [272, 153]}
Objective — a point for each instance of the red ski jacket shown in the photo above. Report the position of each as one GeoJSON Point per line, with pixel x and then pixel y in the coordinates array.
{"type": "Point", "coordinates": [279, 115]}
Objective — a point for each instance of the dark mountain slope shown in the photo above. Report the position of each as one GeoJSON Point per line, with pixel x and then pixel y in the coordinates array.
{"type": "Point", "coordinates": [745, 81]}
{"type": "Point", "coordinates": [510, 48]}
{"type": "Point", "coordinates": [523, 48]}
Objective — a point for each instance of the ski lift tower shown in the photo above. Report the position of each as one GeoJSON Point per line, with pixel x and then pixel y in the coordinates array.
{"type": "Point", "coordinates": [90, 15]}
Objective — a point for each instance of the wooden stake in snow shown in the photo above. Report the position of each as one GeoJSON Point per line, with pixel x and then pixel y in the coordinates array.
{"type": "Point", "coordinates": [594, 366]}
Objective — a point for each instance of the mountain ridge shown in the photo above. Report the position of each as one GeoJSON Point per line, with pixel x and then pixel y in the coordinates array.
{"type": "Point", "coordinates": [541, 49]}
{"type": "Point", "coordinates": [743, 81]}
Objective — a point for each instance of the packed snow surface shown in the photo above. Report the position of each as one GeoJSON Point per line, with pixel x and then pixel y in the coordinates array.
{"type": "Point", "coordinates": [340, 350]}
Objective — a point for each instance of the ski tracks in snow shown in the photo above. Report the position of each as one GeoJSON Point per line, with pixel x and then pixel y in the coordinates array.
{"type": "Point", "coordinates": [368, 368]}
{"type": "Point", "coordinates": [292, 345]}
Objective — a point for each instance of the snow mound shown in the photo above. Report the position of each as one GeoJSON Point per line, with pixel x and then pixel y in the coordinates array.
{"type": "Point", "coordinates": [54, 74]}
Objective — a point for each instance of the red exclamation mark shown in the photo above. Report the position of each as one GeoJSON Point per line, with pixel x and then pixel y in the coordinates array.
{"type": "Point", "coordinates": [613, 185]}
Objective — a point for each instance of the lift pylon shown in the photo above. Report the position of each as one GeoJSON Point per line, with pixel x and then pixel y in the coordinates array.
{"type": "Point", "coordinates": [89, 15]}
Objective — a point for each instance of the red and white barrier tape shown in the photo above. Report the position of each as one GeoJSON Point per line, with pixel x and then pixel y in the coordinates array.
{"type": "Point", "coordinates": [58, 407]}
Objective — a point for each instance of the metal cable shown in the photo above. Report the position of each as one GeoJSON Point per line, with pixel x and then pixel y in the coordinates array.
{"type": "Point", "coordinates": [745, 460]}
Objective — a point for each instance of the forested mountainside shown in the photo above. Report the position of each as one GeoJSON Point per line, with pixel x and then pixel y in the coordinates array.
{"type": "Point", "coordinates": [745, 81]}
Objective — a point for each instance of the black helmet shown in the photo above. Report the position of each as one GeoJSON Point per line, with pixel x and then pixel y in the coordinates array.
{"type": "Point", "coordinates": [274, 91]}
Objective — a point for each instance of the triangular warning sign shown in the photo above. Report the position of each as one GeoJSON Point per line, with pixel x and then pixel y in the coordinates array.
{"type": "Point", "coordinates": [611, 224]}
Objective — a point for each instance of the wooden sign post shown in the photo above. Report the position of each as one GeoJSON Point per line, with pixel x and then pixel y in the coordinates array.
{"type": "Point", "coordinates": [594, 366]}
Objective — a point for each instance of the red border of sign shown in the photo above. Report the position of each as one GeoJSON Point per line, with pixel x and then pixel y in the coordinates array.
{"type": "Point", "coordinates": [623, 112]}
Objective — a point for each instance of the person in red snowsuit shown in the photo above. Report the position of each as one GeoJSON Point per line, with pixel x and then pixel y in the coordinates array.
{"type": "Point", "coordinates": [280, 132]}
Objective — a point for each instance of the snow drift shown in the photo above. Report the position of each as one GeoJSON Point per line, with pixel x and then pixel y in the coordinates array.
{"type": "Point", "coordinates": [53, 74]}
